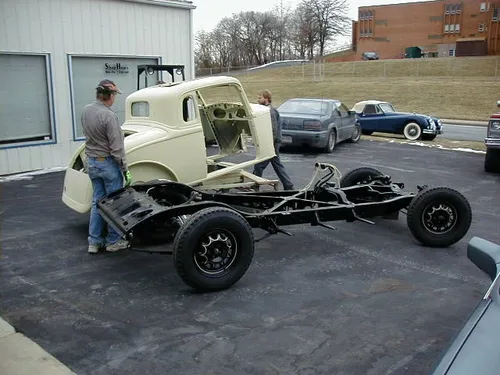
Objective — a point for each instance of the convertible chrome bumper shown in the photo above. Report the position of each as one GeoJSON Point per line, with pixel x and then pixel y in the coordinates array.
{"type": "Point", "coordinates": [492, 142]}
{"type": "Point", "coordinates": [432, 131]}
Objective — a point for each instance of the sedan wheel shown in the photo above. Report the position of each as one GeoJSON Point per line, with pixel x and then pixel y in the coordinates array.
{"type": "Point", "coordinates": [356, 134]}
{"type": "Point", "coordinates": [412, 131]}
{"type": "Point", "coordinates": [330, 144]}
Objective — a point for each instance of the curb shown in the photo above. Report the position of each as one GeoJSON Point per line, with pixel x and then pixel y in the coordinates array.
{"type": "Point", "coordinates": [19, 355]}
{"type": "Point", "coordinates": [463, 122]}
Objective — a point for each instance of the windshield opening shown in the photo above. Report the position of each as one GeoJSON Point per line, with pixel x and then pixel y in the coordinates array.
{"type": "Point", "coordinates": [386, 107]}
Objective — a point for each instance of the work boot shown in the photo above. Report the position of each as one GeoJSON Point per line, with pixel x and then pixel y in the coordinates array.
{"type": "Point", "coordinates": [93, 249]}
{"type": "Point", "coordinates": [119, 245]}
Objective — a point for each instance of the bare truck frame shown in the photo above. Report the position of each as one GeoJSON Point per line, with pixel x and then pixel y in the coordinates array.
{"type": "Point", "coordinates": [213, 241]}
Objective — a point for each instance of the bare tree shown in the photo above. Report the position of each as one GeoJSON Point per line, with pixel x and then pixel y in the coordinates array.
{"type": "Point", "coordinates": [330, 19]}
{"type": "Point", "coordinates": [249, 38]}
{"type": "Point", "coordinates": [204, 52]}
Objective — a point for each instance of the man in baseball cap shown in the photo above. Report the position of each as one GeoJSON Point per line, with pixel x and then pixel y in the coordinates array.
{"type": "Point", "coordinates": [109, 86]}
{"type": "Point", "coordinates": [107, 164]}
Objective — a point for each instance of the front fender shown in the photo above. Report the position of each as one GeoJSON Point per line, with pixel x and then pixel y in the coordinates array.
{"type": "Point", "coordinates": [422, 122]}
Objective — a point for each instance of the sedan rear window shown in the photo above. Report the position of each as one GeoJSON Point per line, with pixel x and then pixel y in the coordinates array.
{"type": "Point", "coordinates": [317, 107]}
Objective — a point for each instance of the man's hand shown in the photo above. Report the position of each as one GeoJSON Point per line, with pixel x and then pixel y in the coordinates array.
{"type": "Point", "coordinates": [128, 178]}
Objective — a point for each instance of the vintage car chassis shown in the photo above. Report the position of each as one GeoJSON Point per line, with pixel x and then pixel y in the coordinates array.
{"type": "Point", "coordinates": [213, 241]}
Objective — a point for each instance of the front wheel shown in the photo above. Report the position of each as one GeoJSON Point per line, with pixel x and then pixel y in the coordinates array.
{"type": "Point", "coordinates": [356, 134]}
{"type": "Point", "coordinates": [439, 217]}
{"type": "Point", "coordinates": [412, 131]}
{"type": "Point", "coordinates": [213, 249]}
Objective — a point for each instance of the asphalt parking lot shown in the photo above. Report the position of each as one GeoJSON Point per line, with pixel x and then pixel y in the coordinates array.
{"type": "Point", "coordinates": [362, 300]}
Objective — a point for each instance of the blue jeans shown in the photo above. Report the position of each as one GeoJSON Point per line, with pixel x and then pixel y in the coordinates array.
{"type": "Point", "coordinates": [106, 178]}
{"type": "Point", "coordinates": [278, 166]}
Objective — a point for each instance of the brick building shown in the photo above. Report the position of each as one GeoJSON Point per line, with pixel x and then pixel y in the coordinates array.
{"type": "Point", "coordinates": [439, 28]}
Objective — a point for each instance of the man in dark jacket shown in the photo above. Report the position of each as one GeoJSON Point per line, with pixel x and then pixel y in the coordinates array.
{"type": "Point", "coordinates": [265, 98]}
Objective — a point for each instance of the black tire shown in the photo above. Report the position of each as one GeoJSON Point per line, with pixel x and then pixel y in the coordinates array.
{"type": "Point", "coordinates": [492, 160]}
{"type": "Point", "coordinates": [428, 212]}
{"type": "Point", "coordinates": [215, 224]}
{"type": "Point", "coordinates": [428, 137]}
{"type": "Point", "coordinates": [359, 176]}
{"type": "Point", "coordinates": [356, 134]}
{"type": "Point", "coordinates": [366, 132]}
{"type": "Point", "coordinates": [331, 142]}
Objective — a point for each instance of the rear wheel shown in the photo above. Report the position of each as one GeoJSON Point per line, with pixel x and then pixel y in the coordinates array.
{"type": "Point", "coordinates": [439, 217]}
{"type": "Point", "coordinates": [213, 249]}
{"type": "Point", "coordinates": [366, 132]}
{"type": "Point", "coordinates": [357, 176]}
{"type": "Point", "coordinates": [331, 142]}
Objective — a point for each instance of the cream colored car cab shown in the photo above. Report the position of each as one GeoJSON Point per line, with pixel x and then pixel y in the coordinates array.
{"type": "Point", "coordinates": [165, 129]}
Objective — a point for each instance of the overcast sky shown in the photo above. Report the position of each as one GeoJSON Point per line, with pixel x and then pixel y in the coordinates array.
{"type": "Point", "coordinates": [209, 12]}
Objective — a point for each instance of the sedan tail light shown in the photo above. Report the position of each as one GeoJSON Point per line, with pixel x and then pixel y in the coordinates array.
{"type": "Point", "coordinates": [312, 125]}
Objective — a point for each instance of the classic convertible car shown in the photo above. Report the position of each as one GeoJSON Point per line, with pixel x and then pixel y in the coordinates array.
{"type": "Point", "coordinates": [380, 116]}
{"type": "Point", "coordinates": [165, 127]}
{"type": "Point", "coordinates": [320, 123]}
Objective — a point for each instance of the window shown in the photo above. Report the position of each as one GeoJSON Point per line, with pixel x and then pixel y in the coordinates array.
{"type": "Point", "coordinates": [342, 109]}
{"type": "Point", "coordinates": [446, 28]}
{"type": "Point", "coordinates": [496, 12]}
{"type": "Point", "coordinates": [140, 109]}
{"type": "Point", "coordinates": [457, 27]}
{"type": "Point", "coordinates": [482, 7]}
{"type": "Point", "coordinates": [452, 28]}
{"type": "Point", "coordinates": [26, 113]}
{"type": "Point", "coordinates": [369, 109]}
{"type": "Point", "coordinates": [189, 109]}
{"type": "Point", "coordinates": [87, 71]}
{"type": "Point", "coordinates": [451, 52]}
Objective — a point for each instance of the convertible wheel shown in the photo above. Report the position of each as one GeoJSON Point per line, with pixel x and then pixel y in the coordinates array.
{"type": "Point", "coordinates": [332, 140]}
{"type": "Point", "coordinates": [359, 176]}
{"type": "Point", "coordinates": [412, 131]}
{"type": "Point", "coordinates": [213, 249]}
{"type": "Point", "coordinates": [356, 134]}
{"type": "Point", "coordinates": [439, 217]}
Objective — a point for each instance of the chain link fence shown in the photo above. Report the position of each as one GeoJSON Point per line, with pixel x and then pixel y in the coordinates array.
{"type": "Point", "coordinates": [457, 67]}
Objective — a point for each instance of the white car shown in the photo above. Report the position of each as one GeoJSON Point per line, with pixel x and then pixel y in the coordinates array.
{"type": "Point", "coordinates": [165, 128]}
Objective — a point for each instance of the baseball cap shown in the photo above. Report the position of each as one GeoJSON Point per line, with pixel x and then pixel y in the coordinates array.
{"type": "Point", "coordinates": [108, 82]}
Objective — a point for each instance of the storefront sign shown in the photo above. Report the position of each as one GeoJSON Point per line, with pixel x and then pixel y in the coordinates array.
{"type": "Point", "coordinates": [116, 68]}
